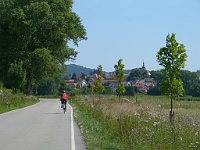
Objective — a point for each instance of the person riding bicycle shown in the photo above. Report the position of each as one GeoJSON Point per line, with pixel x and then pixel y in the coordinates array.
{"type": "Point", "coordinates": [63, 98]}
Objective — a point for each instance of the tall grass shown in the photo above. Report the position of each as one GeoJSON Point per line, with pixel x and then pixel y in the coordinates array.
{"type": "Point", "coordinates": [10, 101]}
{"type": "Point", "coordinates": [109, 125]}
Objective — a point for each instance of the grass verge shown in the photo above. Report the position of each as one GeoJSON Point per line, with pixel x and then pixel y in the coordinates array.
{"type": "Point", "coordinates": [10, 101]}
{"type": "Point", "coordinates": [107, 124]}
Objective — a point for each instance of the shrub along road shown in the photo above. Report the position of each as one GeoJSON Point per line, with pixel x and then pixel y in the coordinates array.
{"type": "Point", "coordinates": [41, 126]}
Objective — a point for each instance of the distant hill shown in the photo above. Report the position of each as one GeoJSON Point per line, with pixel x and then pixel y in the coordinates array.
{"type": "Point", "coordinates": [77, 69]}
{"type": "Point", "coordinates": [72, 68]}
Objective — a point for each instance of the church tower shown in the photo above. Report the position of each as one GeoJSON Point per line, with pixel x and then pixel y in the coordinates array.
{"type": "Point", "coordinates": [143, 66]}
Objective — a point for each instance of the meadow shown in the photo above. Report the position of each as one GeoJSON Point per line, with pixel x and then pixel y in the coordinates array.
{"type": "Point", "coordinates": [11, 101]}
{"type": "Point", "coordinates": [137, 123]}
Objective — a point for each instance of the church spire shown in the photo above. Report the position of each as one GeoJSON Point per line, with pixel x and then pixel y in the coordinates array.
{"type": "Point", "coordinates": [143, 65]}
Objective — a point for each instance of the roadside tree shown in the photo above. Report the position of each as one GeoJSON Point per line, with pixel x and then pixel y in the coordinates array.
{"type": "Point", "coordinates": [49, 86]}
{"type": "Point", "coordinates": [172, 58]}
{"type": "Point", "coordinates": [37, 33]}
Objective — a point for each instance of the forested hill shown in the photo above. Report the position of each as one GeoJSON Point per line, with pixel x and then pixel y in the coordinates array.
{"type": "Point", "coordinates": [77, 69]}
{"type": "Point", "coordinates": [72, 68]}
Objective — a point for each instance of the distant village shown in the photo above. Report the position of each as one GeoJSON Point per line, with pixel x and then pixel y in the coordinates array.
{"type": "Point", "coordinates": [141, 85]}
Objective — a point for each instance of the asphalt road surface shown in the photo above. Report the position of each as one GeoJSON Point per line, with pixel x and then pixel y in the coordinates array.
{"type": "Point", "coordinates": [43, 126]}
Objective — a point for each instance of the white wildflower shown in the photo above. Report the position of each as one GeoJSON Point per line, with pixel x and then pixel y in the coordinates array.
{"type": "Point", "coordinates": [136, 114]}
{"type": "Point", "coordinates": [196, 134]}
{"type": "Point", "coordinates": [156, 123]}
{"type": "Point", "coordinates": [1, 92]}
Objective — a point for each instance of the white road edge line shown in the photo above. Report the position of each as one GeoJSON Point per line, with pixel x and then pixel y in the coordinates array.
{"type": "Point", "coordinates": [73, 147]}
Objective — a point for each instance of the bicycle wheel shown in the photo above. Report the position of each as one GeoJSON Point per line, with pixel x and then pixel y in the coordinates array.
{"type": "Point", "coordinates": [64, 108]}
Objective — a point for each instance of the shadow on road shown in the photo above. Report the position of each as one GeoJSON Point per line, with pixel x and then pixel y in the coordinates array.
{"type": "Point", "coordinates": [54, 113]}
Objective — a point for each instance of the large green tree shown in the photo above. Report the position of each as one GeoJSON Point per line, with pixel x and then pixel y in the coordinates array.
{"type": "Point", "coordinates": [37, 33]}
{"type": "Point", "coordinates": [172, 57]}
{"type": "Point", "coordinates": [49, 86]}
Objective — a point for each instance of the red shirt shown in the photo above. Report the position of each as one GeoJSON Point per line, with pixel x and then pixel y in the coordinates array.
{"type": "Point", "coordinates": [64, 96]}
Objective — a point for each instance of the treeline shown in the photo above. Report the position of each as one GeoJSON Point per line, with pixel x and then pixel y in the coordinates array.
{"type": "Point", "coordinates": [191, 82]}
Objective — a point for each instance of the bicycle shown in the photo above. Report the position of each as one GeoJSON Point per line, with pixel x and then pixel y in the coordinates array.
{"type": "Point", "coordinates": [63, 106]}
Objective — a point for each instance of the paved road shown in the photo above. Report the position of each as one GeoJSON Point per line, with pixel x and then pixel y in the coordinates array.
{"type": "Point", "coordinates": [40, 127]}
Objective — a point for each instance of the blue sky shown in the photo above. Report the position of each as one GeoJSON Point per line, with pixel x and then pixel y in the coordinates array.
{"type": "Point", "coordinates": [135, 30]}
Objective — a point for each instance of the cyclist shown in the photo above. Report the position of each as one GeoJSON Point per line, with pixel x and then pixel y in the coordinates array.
{"type": "Point", "coordinates": [63, 98]}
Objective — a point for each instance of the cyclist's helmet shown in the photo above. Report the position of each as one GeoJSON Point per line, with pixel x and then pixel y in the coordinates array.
{"type": "Point", "coordinates": [63, 91]}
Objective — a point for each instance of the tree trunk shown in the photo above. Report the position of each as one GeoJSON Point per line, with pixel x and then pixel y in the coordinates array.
{"type": "Point", "coordinates": [171, 103]}
{"type": "Point", "coordinates": [171, 114]}
{"type": "Point", "coordinates": [29, 92]}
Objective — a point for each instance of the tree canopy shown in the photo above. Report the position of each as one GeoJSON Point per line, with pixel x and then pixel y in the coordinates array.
{"type": "Point", "coordinates": [37, 33]}
{"type": "Point", "coordinates": [137, 74]}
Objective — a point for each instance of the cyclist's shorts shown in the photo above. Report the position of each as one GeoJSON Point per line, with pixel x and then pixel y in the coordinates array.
{"type": "Point", "coordinates": [63, 101]}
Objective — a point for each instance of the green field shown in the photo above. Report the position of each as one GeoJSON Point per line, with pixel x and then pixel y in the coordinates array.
{"type": "Point", "coordinates": [137, 123]}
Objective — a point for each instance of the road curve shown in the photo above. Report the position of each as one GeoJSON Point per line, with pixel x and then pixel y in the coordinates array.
{"type": "Point", "coordinates": [40, 127]}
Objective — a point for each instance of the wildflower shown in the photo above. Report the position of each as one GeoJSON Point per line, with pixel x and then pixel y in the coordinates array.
{"type": "Point", "coordinates": [155, 124]}
{"type": "Point", "coordinates": [194, 144]}
{"type": "Point", "coordinates": [191, 144]}
{"type": "Point", "coordinates": [136, 114]}
{"type": "Point", "coordinates": [196, 134]}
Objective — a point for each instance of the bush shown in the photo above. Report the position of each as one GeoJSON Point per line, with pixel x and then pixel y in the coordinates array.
{"type": "Point", "coordinates": [130, 90]}
{"type": "Point", "coordinates": [154, 90]}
